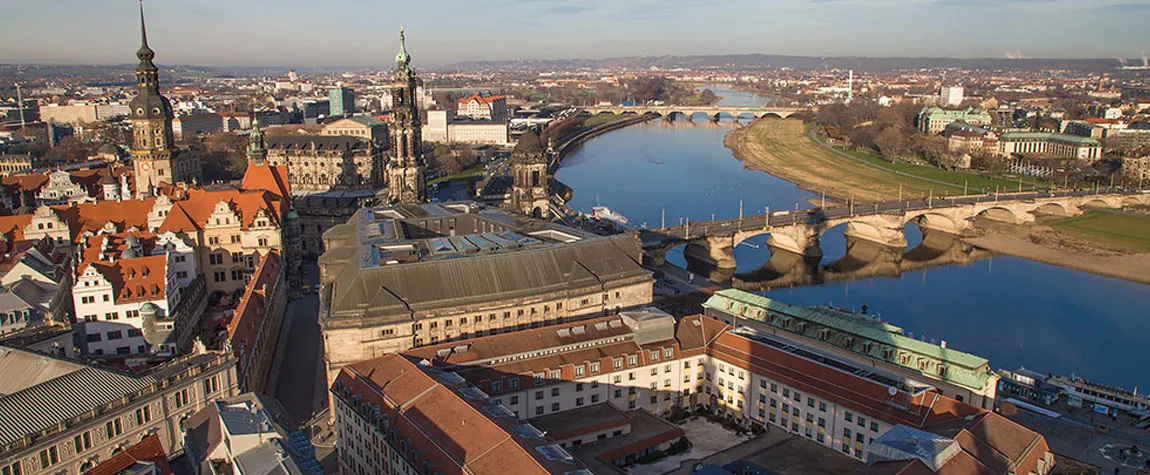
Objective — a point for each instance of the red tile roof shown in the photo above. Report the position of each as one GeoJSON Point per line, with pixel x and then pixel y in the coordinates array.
{"type": "Point", "coordinates": [135, 279]}
{"type": "Point", "coordinates": [25, 182]}
{"type": "Point", "coordinates": [268, 178]}
{"type": "Point", "coordinates": [193, 214]}
{"type": "Point", "coordinates": [250, 312]}
{"type": "Point", "coordinates": [147, 450]}
{"type": "Point", "coordinates": [447, 430]}
{"type": "Point", "coordinates": [92, 216]}
{"type": "Point", "coordinates": [95, 250]}
{"type": "Point", "coordinates": [482, 99]}
{"type": "Point", "coordinates": [13, 226]}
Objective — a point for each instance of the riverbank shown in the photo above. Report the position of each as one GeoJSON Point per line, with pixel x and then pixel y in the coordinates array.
{"type": "Point", "coordinates": [1048, 245]}
{"type": "Point", "coordinates": [780, 148]}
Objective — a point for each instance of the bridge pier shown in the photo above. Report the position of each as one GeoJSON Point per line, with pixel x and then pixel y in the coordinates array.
{"type": "Point", "coordinates": [655, 257]}
{"type": "Point", "coordinates": [716, 250]}
{"type": "Point", "coordinates": [799, 239]}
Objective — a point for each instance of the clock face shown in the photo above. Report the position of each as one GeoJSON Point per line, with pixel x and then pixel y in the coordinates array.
{"type": "Point", "coordinates": [144, 166]}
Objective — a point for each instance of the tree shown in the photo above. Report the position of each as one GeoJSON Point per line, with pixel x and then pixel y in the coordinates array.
{"type": "Point", "coordinates": [934, 149]}
{"type": "Point", "coordinates": [988, 162]}
{"type": "Point", "coordinates": [891, 143]}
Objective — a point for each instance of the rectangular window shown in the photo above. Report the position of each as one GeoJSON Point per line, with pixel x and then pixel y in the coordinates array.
{"type": "Point", "coordinates": [668, 353]}
{"type": "Point", "coordinates": [594, 367]}
{"type": "Point", "coordinates": [554, 407]}
{"type": "Point", "coordinates": [115, 335]}
{"type": "Point", "coordinates": [579, 371]}
{"type": "Point", "coordinates": [874, 426]}
{"type": "Point", "coordinates": [633, 360]}
{"type": "Point", "coordinates": [848, 416]}
{"type": "Point", "coordinates": [618, 363]}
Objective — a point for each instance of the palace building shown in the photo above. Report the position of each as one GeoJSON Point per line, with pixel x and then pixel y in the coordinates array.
{"type": "Point", "coordinates": [604, 376]}
{"type": "Point", "coordinates": [405, 276]}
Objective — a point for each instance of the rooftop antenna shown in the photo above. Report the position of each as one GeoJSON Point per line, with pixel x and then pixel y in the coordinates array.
{"type": "Point", "coordinates": [20, 105]}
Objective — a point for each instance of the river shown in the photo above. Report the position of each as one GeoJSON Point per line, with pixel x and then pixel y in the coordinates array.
{"type": "Point", "coordinates": [1011, 311]}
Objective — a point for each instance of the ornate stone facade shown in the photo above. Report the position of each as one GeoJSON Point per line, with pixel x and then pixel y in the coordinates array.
{"type": "Point", "coordinates": [405, 176]}
{"type": "Point", "coordinates": [154, 154]}
{"type": "Point", "coordinates": [530, 193]}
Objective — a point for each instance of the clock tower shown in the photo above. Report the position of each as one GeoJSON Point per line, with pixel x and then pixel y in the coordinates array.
{"type": "Point", "coordinates": [406, 182]}
{"type": "Point", "coordinates": [154, 154]}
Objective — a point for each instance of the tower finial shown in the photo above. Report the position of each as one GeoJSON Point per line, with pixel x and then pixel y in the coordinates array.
{"type": "Point", "coordinates": [402, 57]}
{"type": "Point", "coordinates": [145, 53]}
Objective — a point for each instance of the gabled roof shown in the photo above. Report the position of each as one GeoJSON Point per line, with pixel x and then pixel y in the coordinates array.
{"type": "Point", "coordinates": [95, 250]}
{"type": "Point", "coordinates": [482, 99]}
{"type": "Point", "coordinates": [269, 178]}
{"type": "Point", "coordinates": [148, 450]}
{"type": "Point", "coordinates": [92, 217]}
{"type": "Point", "coordinates": [134, 279]}
{"type": "Point", "coordinates": [193, 213]}
{"type": "Point", "coordinates": [28, 182]}
{"type": "Point", "coordinates": [12, 227]}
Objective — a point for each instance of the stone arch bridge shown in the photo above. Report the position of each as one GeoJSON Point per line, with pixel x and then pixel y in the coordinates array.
{"type": "Point", "coordinates": [712, 112]}
{"type": "Point", "coordinates": [798, 232]}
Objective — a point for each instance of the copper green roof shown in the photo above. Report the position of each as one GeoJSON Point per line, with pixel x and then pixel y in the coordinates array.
{"type": "Point", "coordinates": [964, 369]}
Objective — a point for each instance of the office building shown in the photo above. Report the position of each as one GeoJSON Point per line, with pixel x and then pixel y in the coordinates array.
{"type": "Point", "coordinates": [933, 120]}
{"type": "Point", "coordinates": [341, 100]}
{"type": "Point", "coordinates": [951, 96]}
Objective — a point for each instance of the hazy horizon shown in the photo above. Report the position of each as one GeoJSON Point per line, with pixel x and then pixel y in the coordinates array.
{"type": "Point", "coordinates": [351, 34]}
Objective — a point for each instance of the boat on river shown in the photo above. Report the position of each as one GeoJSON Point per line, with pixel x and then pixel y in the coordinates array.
{"type": "Point", "coordinates": [606, 214]}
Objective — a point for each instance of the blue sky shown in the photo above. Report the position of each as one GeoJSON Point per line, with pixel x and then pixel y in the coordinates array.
{"type": "Point", "coordinates": [363, 32]}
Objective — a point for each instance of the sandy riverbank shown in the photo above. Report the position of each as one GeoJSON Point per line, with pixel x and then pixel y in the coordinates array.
{"type": "Point", "coordinates": [1039, 243]}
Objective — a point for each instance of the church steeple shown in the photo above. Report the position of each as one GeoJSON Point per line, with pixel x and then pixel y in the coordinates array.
{"type": "Point", "coordinates": [257, 152]}
{"type": "Point", "coordinates": [402, 59]}
{"type": "Point", "coordinates": [406, 181]}
{"type": "Point", "coordinates": [154, 155]}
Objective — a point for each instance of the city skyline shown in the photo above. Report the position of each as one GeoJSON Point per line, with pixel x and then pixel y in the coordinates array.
{"type": "Point", "coordinates": [219, 33]}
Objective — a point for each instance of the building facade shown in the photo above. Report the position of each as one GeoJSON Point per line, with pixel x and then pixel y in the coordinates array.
{"type": "Point", "coordinates": [341, 100]}
{"type": "Point", "coordinates": [72, 417]}
{"type": "Point", "coordinates": [390, 279]}
{"type": "Point", "coordinates": [646, 361]}
{"type": "Point", "coordinates": [406, 169]}
{"type": "Point", "coordinates": [1051, 145]}
{"type": "Point", "coordinates": [485, 107]}
{"type": "Point", "coordinates": [933, 120]}
{"type": "Point", "coordinates": [327, 163]}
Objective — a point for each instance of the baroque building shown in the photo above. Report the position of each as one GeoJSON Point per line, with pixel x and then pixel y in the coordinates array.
{"type": "Point", "coordinates": [154, 154]}
{"type": "Point", "coordinates": [529, 192]}
{"type": "Point", "coordinates": [405, 176]}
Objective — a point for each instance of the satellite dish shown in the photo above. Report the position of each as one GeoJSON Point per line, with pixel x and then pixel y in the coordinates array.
{"type": "Point", "coordinates": [892, 391]}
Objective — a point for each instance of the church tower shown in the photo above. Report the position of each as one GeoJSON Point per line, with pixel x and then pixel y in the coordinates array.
{"type": "Point", "coordinates": [154, 154]}
{"type": "Point", "coordinates": [257, 151]}
{"type": "Point", "coordinates": [405, 172]}
{"type": "Point", "coordinates": [530, 193]}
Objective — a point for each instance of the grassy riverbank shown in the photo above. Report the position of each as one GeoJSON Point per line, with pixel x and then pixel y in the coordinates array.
{"type": "Point", "coordinates": [472, 172]}
{"type": "Point", "coordinates": [1122, 230]}
{"type": "Point", "coordinates": [783, 148]}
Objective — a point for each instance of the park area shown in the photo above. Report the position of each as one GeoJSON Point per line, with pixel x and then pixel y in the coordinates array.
{"type": "Point", "coordinates": [783, 149]}
{"type": "Point", "coordinates": [1117, 229]}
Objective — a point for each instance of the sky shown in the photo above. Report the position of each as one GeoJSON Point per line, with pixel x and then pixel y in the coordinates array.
{"type": "Point", "coordinates": [363, 33]}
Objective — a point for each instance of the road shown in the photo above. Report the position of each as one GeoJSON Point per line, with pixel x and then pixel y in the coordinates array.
{"type": "Point", "coordinates": [297, 379]}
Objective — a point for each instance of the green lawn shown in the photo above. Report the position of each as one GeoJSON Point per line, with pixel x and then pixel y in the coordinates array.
{"type": "Point", "coordinates": [472, 172]}
{"type": "Point", "coordinates": [973, 182]}
{"type": "Point", "coordinates": [1110, 228]}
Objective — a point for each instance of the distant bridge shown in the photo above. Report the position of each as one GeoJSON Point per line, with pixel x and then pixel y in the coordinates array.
{"type": "Point", "coordinates": [712, 112]}
{"type": "Point", "coordinates": [798, 232]}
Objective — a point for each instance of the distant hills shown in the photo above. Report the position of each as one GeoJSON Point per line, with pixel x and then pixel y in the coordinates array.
{"type": "Point", "coordinates": [772, 61]}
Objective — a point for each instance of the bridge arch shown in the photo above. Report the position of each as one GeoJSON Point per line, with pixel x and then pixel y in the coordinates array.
{"type": "Point", "coordinates": [1000, 213]}
{"type": "Point", "coordinates": [1134, 200]}
{"type": "Point", "coordinates": [775, 115]}
{"type": "Point", "coordinates": [1053, 209]}
{"type": "Point", "coordinates": [1096, 203]}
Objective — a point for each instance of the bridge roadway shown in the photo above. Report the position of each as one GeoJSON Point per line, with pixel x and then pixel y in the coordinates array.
{"type": "Point", "coordinates": [711, 111]}
{"type": "Point", "coordinates": [798, 231]}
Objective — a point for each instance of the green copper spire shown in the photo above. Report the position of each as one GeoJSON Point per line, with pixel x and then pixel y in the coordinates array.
{"type": "Point", "coordinates": [257, 152]}
{"type": "Point", "coordinates": [402, 58]}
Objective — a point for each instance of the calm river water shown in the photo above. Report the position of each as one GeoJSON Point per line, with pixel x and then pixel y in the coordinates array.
{"type": "Point", "coordinates": [1012, 311]}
